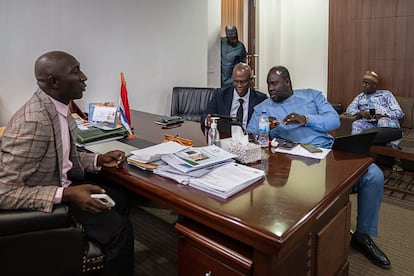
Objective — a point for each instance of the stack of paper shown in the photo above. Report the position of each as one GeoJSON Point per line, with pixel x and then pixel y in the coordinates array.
{"type": "Point", "coordinates": [154, 153]}
{"type": "Point", "coordinates": [222, 181]}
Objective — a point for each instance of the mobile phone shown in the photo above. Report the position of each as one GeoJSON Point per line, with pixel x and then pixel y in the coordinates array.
{"type": "Point", "coordinates": [104, 199]}
{"type": "Point", "coordinates": [311, 148]}
{"type": "Point", "coordinates": [287, 145]}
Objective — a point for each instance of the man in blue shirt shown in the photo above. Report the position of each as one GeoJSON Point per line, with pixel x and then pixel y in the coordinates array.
{"type": "Point", "coordinates": [305, 116]}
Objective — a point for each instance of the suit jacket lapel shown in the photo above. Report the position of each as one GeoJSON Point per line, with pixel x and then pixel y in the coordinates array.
{"type": "Point", "coordinates": [252, 103]}
{"type": "Point", "coordinates": [56, 127]}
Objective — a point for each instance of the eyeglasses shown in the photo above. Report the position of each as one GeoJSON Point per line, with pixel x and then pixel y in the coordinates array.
{"type": "Point", "coordinates": [242, 82]}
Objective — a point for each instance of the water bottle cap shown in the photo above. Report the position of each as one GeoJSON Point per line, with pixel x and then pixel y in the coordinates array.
{"type": "Point", "coordinates": [263, 112]}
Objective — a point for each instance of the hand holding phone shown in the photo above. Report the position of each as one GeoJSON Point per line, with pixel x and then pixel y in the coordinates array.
{"type": "Point", "coordinates": [104, 199]}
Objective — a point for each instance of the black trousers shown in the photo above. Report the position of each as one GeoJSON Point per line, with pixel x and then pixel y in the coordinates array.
{"type": "Point", "coordinates": [111, 229]}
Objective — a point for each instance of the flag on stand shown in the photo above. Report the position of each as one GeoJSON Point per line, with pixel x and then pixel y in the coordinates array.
{"type": "Point", "coordinates": [124, 107]}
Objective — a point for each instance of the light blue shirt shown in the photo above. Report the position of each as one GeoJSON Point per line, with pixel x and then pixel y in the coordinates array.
{"type": "Point", "coordinates": [322, 118]}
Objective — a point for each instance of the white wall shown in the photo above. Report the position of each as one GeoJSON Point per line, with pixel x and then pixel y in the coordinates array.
{"type": "Point", "coordinates": [294, 33]}
{"type": "Point", "coordinates": [157, 44]}
{"type": "Point", "coordinates": [214, 54]}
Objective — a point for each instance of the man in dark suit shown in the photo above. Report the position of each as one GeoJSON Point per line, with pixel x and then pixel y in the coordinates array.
{"type": "Point", "coordinates": [235, 100]}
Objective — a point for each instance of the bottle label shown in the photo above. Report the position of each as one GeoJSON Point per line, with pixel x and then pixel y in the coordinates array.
{"type": "Point", "coordinates": [264, 127]}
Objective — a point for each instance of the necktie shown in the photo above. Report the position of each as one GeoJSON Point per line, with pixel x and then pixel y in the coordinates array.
{"type": "Point", "coordinates": [239, 114]}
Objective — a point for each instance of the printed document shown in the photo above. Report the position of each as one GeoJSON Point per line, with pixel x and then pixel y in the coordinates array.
{"type": "Point", "coordinates": [195, 158]}
{"type": "Point", "coordinates": [154, 153]}
{"type": "Point", "coordinates": [222, 181]}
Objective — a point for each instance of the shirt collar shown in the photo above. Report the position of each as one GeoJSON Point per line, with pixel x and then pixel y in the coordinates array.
{"type": "Point", "coordinates": [61, 108]}
{"type": "Point", "coordinates": [237, 97]}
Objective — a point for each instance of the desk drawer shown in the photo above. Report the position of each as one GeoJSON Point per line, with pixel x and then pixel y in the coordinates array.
{"type": "Point", "coordinates": [202, 251]}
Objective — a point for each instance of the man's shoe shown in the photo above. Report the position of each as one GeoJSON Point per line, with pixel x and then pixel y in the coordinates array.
{"type": "Point", "coordinates": [364, 243]}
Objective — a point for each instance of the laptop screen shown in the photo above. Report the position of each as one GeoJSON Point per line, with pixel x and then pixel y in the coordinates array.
{"type": "Point", "coordinates": [358, 144]}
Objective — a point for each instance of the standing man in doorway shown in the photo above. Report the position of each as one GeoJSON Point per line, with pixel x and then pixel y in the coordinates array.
{"type": "Point", "coordinates": [232, 52]}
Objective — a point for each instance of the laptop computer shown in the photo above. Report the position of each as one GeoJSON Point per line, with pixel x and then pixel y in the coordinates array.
{"type": "Point", "coordinates": [358, 143]}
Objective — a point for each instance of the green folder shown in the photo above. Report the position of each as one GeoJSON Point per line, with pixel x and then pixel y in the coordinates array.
{"type": "Point", "coordinates": [93, 134]}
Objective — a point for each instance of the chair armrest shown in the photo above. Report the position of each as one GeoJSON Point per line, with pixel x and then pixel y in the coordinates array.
{"type": "Point", "coordinates": [346, 125]}
{"type": "Point", "coordinates": [21, 221]}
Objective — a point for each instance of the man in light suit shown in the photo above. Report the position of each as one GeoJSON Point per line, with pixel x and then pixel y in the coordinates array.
{"type": "Point", "coordinates": [226, 101]}
{"type": "Point", "coordinates": [40, 165]}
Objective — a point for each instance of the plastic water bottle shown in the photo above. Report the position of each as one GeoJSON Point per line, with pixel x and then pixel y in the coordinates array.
{"type": "Point", "coordinates": [213, 133]}
{"type": "Point", "coordinates": [264, 130]}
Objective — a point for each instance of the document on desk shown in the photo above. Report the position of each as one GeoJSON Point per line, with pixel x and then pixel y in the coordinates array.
{"type": "Point", "coordinates": [155, 152]}
{"type": "Point", "coordinates": [222, 181]}
{"type": "Point", "coordinates": [298, 150]}
{"type": "Point", "coordinates": [106, 146]}
{"type": "Point", "coordinates": [195, 158]}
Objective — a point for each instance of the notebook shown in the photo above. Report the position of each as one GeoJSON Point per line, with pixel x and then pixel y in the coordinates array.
{"type": "Point", "coordinates": [358, 143]}
{"type": "Point", "coordinates": [104, 147]}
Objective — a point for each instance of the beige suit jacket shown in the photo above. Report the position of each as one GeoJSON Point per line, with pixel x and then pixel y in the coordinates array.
{"type": "Point", "coordinates": [31, 156]}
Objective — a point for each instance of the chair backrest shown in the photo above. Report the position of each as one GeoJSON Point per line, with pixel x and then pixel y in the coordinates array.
{"type": "Point", "coordinates": [407, 105]}
{"type": "Point", "coordinates": [190, 102]}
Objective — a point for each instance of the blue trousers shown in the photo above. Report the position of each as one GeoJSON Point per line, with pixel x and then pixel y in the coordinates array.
{"type": "Point", "coordinates": [370, 189]}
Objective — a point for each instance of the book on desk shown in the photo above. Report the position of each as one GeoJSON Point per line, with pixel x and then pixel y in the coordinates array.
{"type": "Point", "coordinates": [92, 134]}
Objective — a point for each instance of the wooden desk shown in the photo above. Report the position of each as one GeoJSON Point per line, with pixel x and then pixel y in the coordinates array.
{"type": "Point", "coordinates": [146, 129]}
{"type": "Point", "coordinates": [295, 222]}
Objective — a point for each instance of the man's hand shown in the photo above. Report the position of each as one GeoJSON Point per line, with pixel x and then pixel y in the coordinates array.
{"type": "Point", "coordinates": [365, 114]}
{"type": "Point", "coordinates": [294, 118]}
{"type": "Point", "coordinates": [80, 195]}
{"type": "Point", "coordinates": [111, 159]}
{"type": "Point", "coordinates": [273, 122]}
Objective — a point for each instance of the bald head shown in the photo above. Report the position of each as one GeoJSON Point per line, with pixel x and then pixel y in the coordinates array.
{"type": "Point", "coordinates": [279, 83]}
{"type": "Point", "coordinates": [58, 74]}
{"type": "Point", "coordinates": [50, 63]}
{"type": "Point", "coordinates": [242, 67]}
{"type": "Point", "coordinates": [242, 75]}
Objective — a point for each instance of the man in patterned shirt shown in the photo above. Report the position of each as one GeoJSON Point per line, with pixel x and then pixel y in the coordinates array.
{"type": "Point", "coordinates": [375, 108]}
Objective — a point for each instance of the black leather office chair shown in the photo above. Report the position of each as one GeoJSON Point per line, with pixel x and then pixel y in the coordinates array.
{"type": "Point", "coordinates": [190, 102]}
{"type": "Point", "coordinates": [38, 243]}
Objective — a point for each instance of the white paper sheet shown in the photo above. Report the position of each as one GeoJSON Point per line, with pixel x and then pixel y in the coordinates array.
{"type": "Point", "coordinates": [298, 150]}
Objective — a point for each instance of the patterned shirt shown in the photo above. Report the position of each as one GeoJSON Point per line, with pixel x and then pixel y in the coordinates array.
{"type": "Point", "coordinates": [383, 101]}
